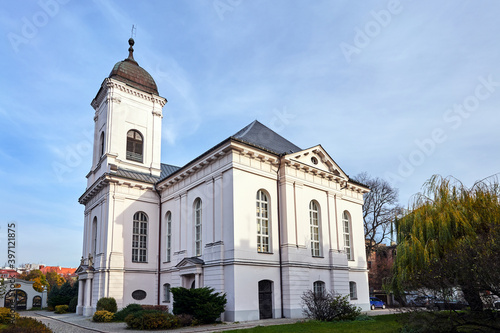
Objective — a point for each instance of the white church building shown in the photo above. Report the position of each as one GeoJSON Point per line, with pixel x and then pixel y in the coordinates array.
{"type": "Point", "coordinates": [255, 217]}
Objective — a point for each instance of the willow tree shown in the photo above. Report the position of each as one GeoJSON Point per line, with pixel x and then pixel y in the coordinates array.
{"type": "Point", "coordinates": [451, 238]}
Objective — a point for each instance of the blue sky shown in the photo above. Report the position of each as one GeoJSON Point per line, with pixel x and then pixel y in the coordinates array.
{"type": "Point", "coordinates": [399, 89]}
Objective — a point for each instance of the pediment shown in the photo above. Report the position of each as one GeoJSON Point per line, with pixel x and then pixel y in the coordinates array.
{"type": "Point", "coordinates": [82, 269]}
{"type": "Point", "coordinates": [190, 262]}
{"type": "Point", "coordinates": [316, 157]}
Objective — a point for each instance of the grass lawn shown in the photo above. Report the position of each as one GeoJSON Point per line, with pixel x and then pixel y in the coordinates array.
{"type": "Point", "coordinates": [384, 323]}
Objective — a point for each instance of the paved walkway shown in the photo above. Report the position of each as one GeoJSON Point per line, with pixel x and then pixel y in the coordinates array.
{"type": "Point", "coordinates": [72, 323]}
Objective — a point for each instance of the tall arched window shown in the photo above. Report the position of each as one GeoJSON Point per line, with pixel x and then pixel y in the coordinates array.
{"type": "Point", "coordinates": [93, 248]}
{"type": "Point", "coordinates": [140, 237]}
{"type": "Point", "coordinates": [134, 146]}
{"type": "Point", "coordinates": [353, 293]}
{"type": "Point", "coordinates": [314, 223]}
{"type": "Point", "coordinates": [101, 145]}
{"type": "Point", "coordinates": [346, 224]}
{"type": "Point", "coordinates": [262, 222]}
{"type": "Point", "coordinates": [197, 226]}
{"type": "Point", "coordinates": [166, 293]}
{"type": "Point", "coordinates": [319, 288]}
{"type": "Point", "coordinates": [168, 220]}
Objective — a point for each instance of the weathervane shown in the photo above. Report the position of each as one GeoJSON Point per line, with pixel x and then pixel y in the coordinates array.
{"type": "Point", "coordinates": [132, 33]}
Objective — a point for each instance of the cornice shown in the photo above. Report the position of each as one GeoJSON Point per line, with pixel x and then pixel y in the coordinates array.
{"type": "Point", "coordinates": [110, 84]}
{"type": "Point", "coordinates": [93, 190]}
{"type": "Point", "coordinates": [192, 168]}
{"type": "Point", "coordinates": [109, 178]}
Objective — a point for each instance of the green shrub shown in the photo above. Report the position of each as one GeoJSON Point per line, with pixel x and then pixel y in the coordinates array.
{"type": "Point", "coordinates": [106, 303]}
{"type": "Point", "coordinates": [328, 306]}
{"type": "Point", "coordinates": [61, 309]}
{"type": "Point", "coordinates": [103, 316]}
{"type": "Point", "coordinates": [185, 320]}
{"type": "Point", "coordinates": [62, 295]}
{"type": "Point", "coordinates": [203, 304]}
{"type": "Point", "coordinates": [151, 320]}
{"type": "Point", "coordinates": [6, 316]}
{"type": "Point", "coordinates": [162, 308]}
{"type": "Point", "coordinates": [451, 321]}
{"type": "Point", "coordinates": [72, 304]}
{"type": "Point", "coordinates": [27, 324]}
{"type": "Point", "coordinates": [129, 309]}
{"type": "Point", "coordinates": [344, 310]}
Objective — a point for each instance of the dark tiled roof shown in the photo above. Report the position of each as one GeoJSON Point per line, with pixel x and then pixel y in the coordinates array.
{"type": "Point", "coordinates": [128, 71]}
{"type": "Point", "coordinates": [134, 175]}
{"type": "Point", "coordinates": [254, 134]}
{"type": "Point", "coordinates": [167, 170]}
{"type": "Point", "coordinates": [261, 136]}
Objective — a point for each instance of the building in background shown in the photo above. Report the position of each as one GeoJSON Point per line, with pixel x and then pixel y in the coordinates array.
{"type": "Point", "coordinates": [255, 216]}
{"type": "Point", "coordinates": [380, 263]}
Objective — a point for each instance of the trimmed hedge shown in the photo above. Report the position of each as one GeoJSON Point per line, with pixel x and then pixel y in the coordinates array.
{"type": "Point", "coordinates": [129, 309]}
{"type": "Point", "coordinates": [107, 304]}
{"type": "Point", "coordinates": [151, 320]}
{"type": "Point", "coordinates": [60, 309]}
{"type": "Point", "coordinates": [103, 316]}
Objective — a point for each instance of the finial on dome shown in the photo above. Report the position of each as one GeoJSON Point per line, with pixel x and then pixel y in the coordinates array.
{"type": "Point", "coordinates": [131, 49]}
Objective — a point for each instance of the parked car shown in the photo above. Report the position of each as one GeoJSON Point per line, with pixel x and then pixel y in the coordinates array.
{"type": "Point", "coordinates": [439, 304]}
{"type": "Point", "coordinates": [423, 300]}
{"type": "Point", "coordinates": [376, 303]}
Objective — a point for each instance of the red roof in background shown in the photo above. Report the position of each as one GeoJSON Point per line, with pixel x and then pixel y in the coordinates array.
{"type": "Point", "coordinates": [8, 273]}
{"type": "Point", "coordinates": [58, 269]}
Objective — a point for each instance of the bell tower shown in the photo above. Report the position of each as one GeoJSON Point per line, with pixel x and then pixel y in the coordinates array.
{"type": "Point", "coordinates": [128, 114]}
{"type": "Point", "coordinates": [125, 168]}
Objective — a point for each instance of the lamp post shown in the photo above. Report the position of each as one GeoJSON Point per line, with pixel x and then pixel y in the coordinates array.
{"type": "Point", "coordinates": [44, 289]}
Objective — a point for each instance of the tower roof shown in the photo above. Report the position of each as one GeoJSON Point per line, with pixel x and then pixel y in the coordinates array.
{"type": "Point", "coordinates": [128, 71]}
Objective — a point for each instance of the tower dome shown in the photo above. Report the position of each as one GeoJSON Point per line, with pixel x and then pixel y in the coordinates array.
{"type": "Point", "coordinates": [128, 71]}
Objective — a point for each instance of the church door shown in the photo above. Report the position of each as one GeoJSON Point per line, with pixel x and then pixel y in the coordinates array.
{"type": "Point", "coordinates": [265, 299]}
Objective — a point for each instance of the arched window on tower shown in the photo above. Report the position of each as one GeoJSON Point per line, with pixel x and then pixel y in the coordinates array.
{"type": "Point", "coordinates": [135, 145]}
{"type": "Point", "coordinates": [94, 238]}
{"type": "Point", "coordinates": [101, 145]}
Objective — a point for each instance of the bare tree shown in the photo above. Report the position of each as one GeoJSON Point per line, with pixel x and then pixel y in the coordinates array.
{"type": "Point", "coordinates": [380, 208]}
